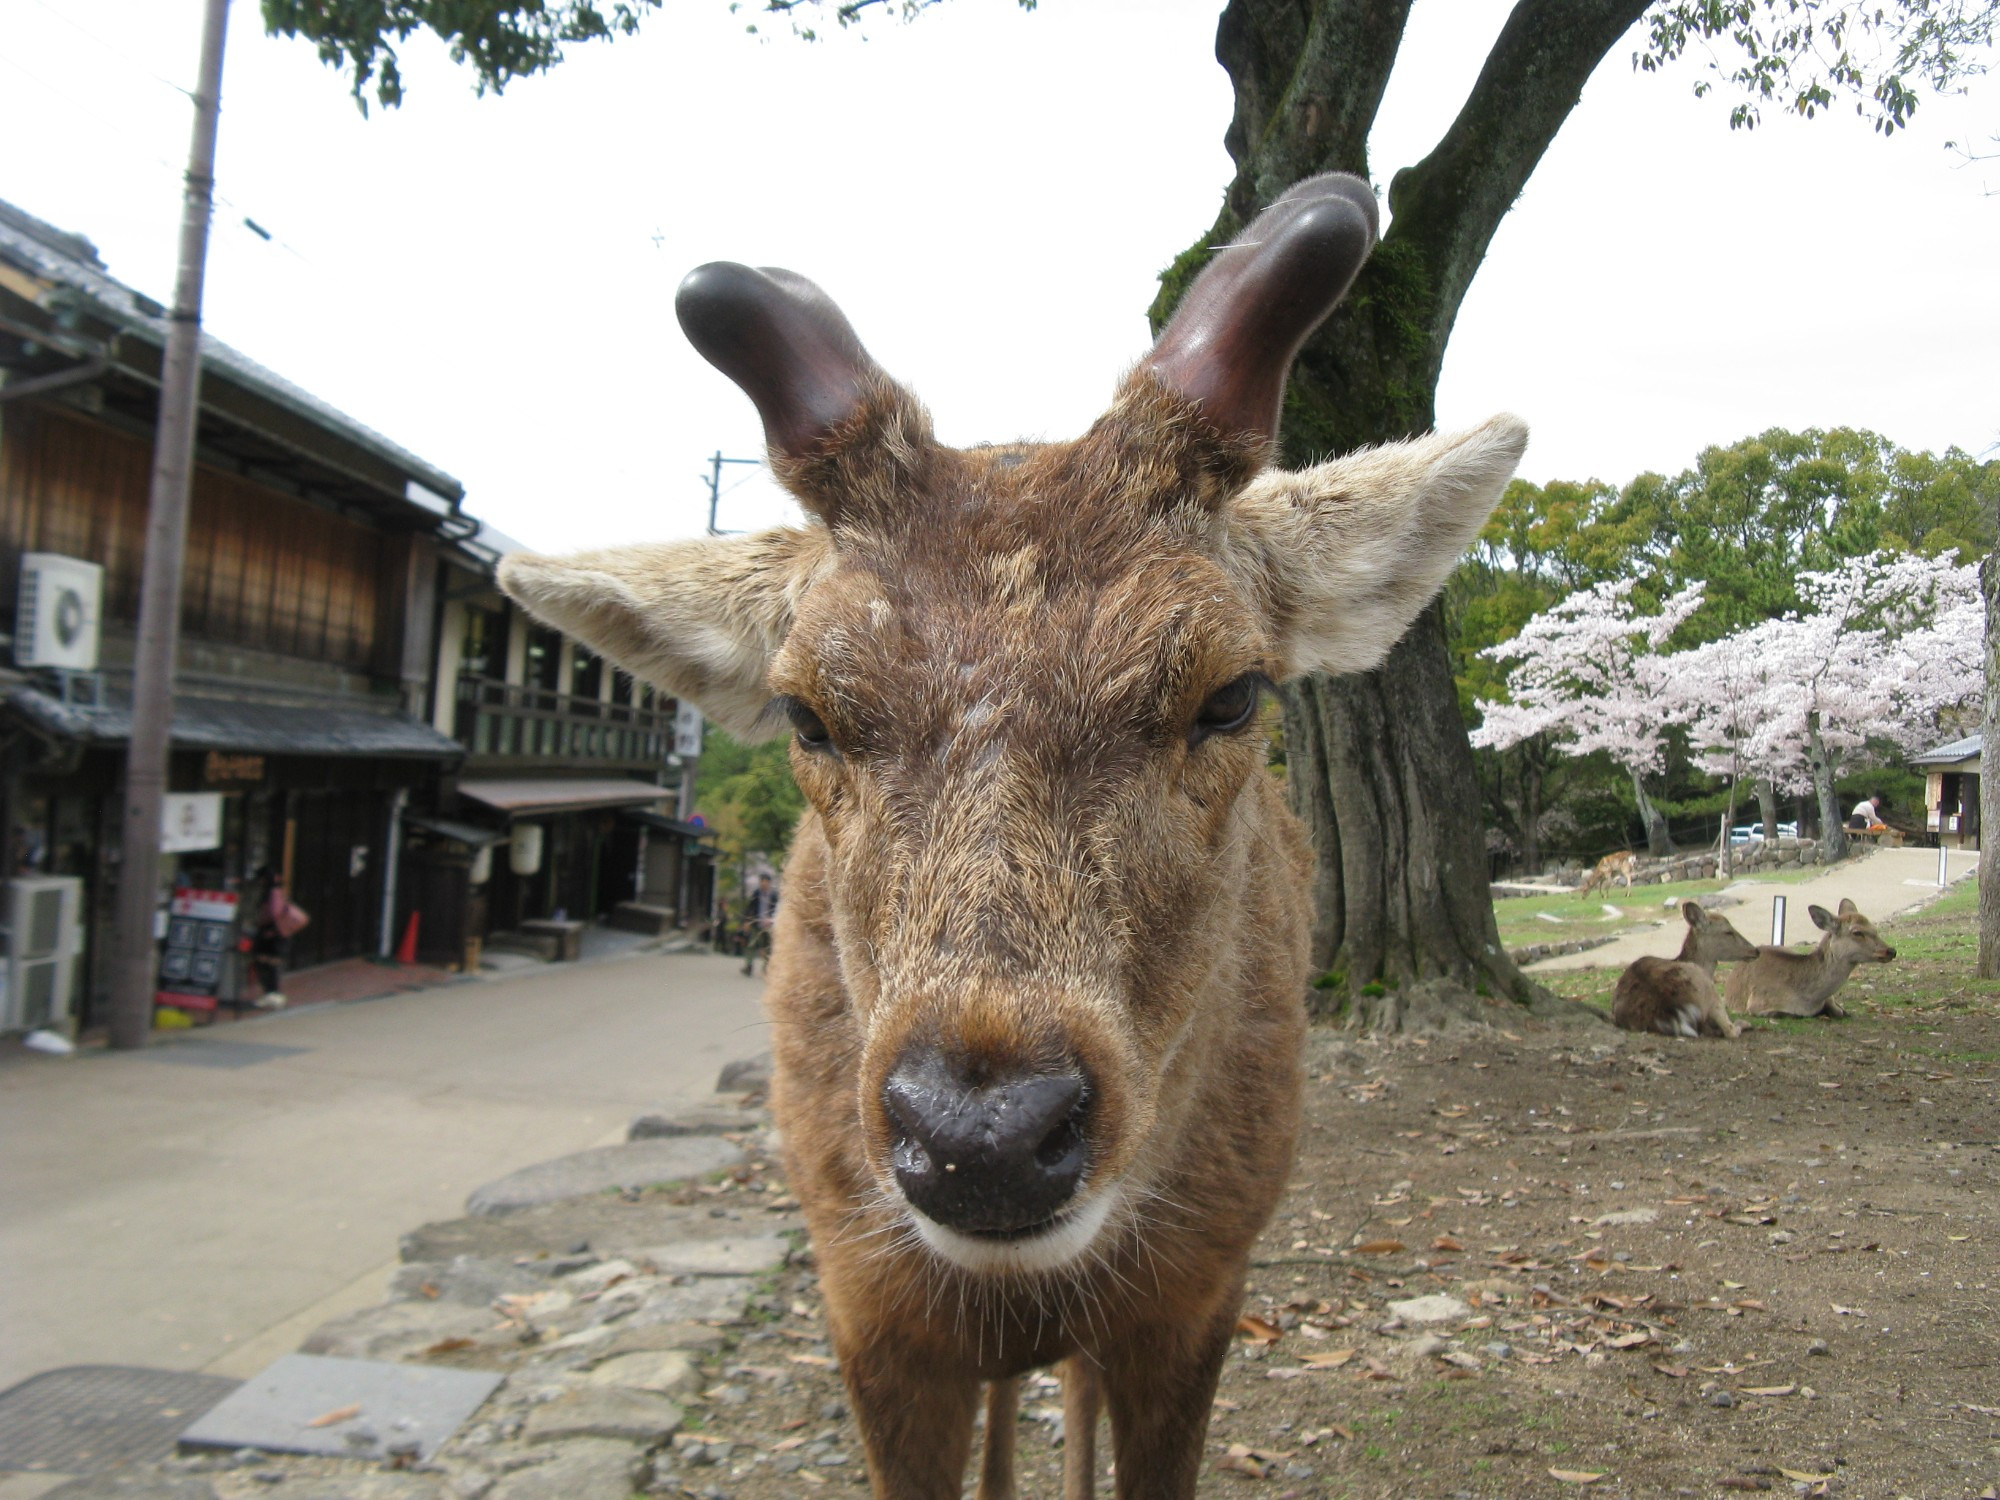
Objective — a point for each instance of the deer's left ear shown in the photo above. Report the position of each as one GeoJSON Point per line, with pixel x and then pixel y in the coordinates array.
{"type": "Point", "coordinates": [1344, 555]}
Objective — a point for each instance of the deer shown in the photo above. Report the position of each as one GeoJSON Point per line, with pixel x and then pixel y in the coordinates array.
{"type": "Point", "coordinates": [1677, 996]}
{"type": "Point", "coordinates": [1621, 865]}
{"type": "Point", "coordinates": [1779, 982]}
{"type": "Point", "coordinates": [1037, 990]}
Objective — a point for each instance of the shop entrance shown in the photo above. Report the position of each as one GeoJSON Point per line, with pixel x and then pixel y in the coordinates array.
{"type": "Point", "coordinates": [335, 847]}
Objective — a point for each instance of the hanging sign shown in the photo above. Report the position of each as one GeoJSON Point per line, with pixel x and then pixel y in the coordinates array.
{"type": "Point", "coordinates": [687, 730]}
{"type": "Point", "coordinates": [190, 821]}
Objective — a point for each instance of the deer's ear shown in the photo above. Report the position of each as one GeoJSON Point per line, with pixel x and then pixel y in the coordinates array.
{"type": "Point", "coordinates": [1695, 912]}
{"type": "Point", "coordinates": [1344, 555]}
{"type": "Point", "coordinates": [699, 618]}
{"type": "Point", "coordinates": [1847, 908]}
{"type": "Point", "coordinates": [1823, 919]}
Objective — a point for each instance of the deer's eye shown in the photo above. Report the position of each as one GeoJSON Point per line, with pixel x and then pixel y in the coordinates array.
{"type": "Point", "coordinates": [810, 727]}
{"type": "Point", "coordinates": [1228, 709]}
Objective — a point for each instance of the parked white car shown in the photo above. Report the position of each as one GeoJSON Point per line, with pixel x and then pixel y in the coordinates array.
{"type": "Point", "coordinates": [1753, 833]}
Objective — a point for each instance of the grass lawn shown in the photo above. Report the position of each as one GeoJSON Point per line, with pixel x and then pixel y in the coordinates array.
{"type": "Point", "coordinates": [1567, 916]}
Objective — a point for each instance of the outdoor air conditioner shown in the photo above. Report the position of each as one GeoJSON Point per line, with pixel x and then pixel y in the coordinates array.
{"type": "Point", "coordinates": [43, 931]}
{"type": "Point", "coordinates": [55, 621]}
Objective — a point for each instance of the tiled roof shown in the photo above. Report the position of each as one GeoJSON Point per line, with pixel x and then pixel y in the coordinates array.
{"type": "Point", "coordinates": [260, 726]}
{"type": "Point", "coordinates": [71, 261]}
{"type": "Point", "coordinates": [1945, 755]}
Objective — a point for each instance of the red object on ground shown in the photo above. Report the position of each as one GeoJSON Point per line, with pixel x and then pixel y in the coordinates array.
{"type": "Point", "coordinates": [406, 951]}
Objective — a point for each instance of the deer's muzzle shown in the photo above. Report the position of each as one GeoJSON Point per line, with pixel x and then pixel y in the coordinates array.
{"type": "Point", "coordinates": [993, 1156]}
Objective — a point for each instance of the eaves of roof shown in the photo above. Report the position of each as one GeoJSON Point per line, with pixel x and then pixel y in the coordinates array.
{"type": "Point", "coordinates": [39, 255]}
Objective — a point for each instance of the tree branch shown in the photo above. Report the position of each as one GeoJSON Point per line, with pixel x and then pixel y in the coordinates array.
{"type": "Point", "coordinates": [1448, 206]}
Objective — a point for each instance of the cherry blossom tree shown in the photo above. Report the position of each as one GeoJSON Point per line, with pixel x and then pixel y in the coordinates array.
{"type": "Point", "coordinates": [1588, 672]}
{"type": "Point", "coordinates": [1721, 690]}
{"type": "Point", "coordinates": [1884, 644]}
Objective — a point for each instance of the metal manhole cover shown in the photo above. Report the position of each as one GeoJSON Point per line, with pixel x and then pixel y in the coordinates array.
{"type": "Point", "coordinates": [87, 1419]}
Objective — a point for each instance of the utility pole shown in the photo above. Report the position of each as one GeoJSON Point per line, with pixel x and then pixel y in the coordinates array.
{"type": "Point", "coordinates": [133, 977]}
{"type": "Point", "coordinates": [715, 485]}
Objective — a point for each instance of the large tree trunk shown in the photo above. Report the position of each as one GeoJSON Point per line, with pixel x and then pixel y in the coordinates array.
{"type": "Point", "coordinates": [1832, 827]}
{"type": "Point", "coordinates": [1380, 766]}
{"type": "Point", "coordinates": [1989, 783]}
{"type": "Point", "coordinates": [1659, 842]}
{"type": "Point", "coordinates": [1531, 808]}
{"type": "Point", "coordinates": [1767, 807]}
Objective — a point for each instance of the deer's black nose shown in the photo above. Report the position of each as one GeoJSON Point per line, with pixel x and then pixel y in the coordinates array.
{"type": "Point", "coordinates": [993, 1155]}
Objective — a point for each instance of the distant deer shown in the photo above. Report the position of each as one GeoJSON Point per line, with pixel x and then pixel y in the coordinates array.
{"type": "Point", "coordinates": [1624, 864]}
{"type": "Point", "coordinates": [1779, 983]}
{"type": "Point", "coordinates": [1037, 987]}
{"type": "Point", "coordinates": [1677, 996]}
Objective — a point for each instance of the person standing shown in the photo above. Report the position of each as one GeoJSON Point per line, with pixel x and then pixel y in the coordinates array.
{"type": "Point", "coordinates": [278, 918]}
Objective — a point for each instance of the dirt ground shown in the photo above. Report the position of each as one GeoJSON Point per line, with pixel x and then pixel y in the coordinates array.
{"type": "Point", "coordinates": [1684, 1268]}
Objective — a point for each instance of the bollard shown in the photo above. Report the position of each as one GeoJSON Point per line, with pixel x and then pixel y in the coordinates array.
{"type": "Point", "coordinates": [1777, 921]}
{"type": "Point", "coordinates": [1943, 879]}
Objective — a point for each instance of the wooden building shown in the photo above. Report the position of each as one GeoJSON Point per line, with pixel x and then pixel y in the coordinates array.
{"type": "Point", "coordinates": [308, 620]}
{"type": "Point", "coordinates": [566, 806]}
{"type": "Point", "coordinates": [1951, 791]}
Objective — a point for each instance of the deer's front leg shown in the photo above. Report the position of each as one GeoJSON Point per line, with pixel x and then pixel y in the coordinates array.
{"type": "Point", "coordinates": [1159, 1387]}
{"type": "Point", "coordinates": [915, 1416]}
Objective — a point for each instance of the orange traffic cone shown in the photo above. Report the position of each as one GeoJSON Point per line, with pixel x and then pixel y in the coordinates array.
{"type": "Point", "coordinates": [406, 951]}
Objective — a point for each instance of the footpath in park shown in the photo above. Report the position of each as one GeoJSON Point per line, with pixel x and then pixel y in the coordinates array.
{"type": "Point", "coordinates": [1882, 883]}
{"type": "Point", "coordinates": [205, 1203]}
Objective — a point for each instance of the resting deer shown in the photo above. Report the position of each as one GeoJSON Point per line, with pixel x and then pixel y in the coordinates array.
{"type": "Point", "coordinates": [1037, 985]}
{"type": "Point", "coordinates": [1780, 983]}
{"type": "Point", "coordinates": [1621, 865]}
{"type": "Point", "coordinates": [1677, 996]}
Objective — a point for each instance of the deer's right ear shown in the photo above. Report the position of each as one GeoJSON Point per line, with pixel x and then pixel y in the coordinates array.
{"type": "Point", "coordinates": [1823, 919]}
{"type": "Point", "coordinates": [1342, 556]}
{"type": "Point", "coordinates": [698, 618]}
{"type": "Point", "coordinates": [1695, 913]}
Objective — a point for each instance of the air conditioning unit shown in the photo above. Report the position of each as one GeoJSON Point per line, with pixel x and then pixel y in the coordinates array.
{"type": "Point", "coordinates": [44, 934]}
{"type": "Point", "coordinates": [55, 621]}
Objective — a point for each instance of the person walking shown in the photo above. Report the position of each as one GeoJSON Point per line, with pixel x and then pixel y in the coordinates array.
{"type": "Point", "coordinates": [758, 919]}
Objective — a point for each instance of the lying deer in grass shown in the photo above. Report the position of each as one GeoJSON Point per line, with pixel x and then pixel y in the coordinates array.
{"type": "Point", "coordinates": [1038, 979]}
{"type": "Point", "coordinates": [1677, 996]}
{"type": "Point", "coordinates": [1622, 865]}
{"type": "Point", "coordinates": [1780, 983]}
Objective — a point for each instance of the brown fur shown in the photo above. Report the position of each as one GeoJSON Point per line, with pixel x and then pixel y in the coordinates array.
{"type": "Point", "coordinates": [1018, 847]}
{"type": "Point", "coordinates": [1780, 983]}
{"type": "Point", "coordinates": [1677, 996]}
{"type": "Point", "coordinates": [1619, 866]}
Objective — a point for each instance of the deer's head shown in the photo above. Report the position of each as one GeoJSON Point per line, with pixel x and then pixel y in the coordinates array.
{"type": "Point", "coordinates": [1023, 686]}
{"type": "Point", "coordinates": [1849, 935]}
{"type": "Point", "coordinates": [1714, 939]}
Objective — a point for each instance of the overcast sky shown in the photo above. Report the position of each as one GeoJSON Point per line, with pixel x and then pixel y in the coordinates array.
{"type": "Point", "coordinates": [989, 195]}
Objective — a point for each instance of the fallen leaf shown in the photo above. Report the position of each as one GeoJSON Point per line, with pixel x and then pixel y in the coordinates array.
{"type": "Point", "coordinates": [1803, 1477]}
{"type": "Point", "coordinates": [338, 1415]}
{"type": "Point", "coordinates": [817, 1361]}
{"type": "Point", "coordinates": [1674, 1372]}
{"type": "Point", "coordinates": [1257, 1331]}
{"type": "Point", "coordinates": [1327, 1359]}
{"type": "Point", "coordinates": [1579, 1476]}
{"type": "Point", "coordinates": [1629, 1340]}
{"type": "Point", "coordinates": [1242, 1459]}
{"type": "Point", "coordinates": [1769, 1390]}
{"type": "Point", "coordinates": [1223, 1403]}
{"type": "Point", "coordinates": [1847, 1312]}
{"type": "Point", "coordinates": [786, 1445]}
{"type": "Point", "coordinates": [1446, 1242]}
{"type": "Point", "coordinates": [429, 1289]}
{"type": "Point", "coordinates": [448, 1346]}
{"type": "Point", "coordinates": [1381, 1247]}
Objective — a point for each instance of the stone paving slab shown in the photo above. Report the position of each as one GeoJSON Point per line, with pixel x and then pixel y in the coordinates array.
{"type": "Point", "coordinates": [635, 1164]}
{"type": "Point", "coordinates": [747, 1255]}
{"type": "Point", "coordinates": [397, 1330]}
{"type": "Point", "coordinates": [296, 1406]}
{"type": "Point", "coordinates": [603, 1226]}
{"type": "Point", "coordinates": [587, 1469]}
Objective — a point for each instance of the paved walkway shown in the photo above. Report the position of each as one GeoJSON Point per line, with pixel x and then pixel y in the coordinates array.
{"type": "Point", "coordinates": [207, 1202]}
{"type": "Point", "coordinates": [1881, 884]}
